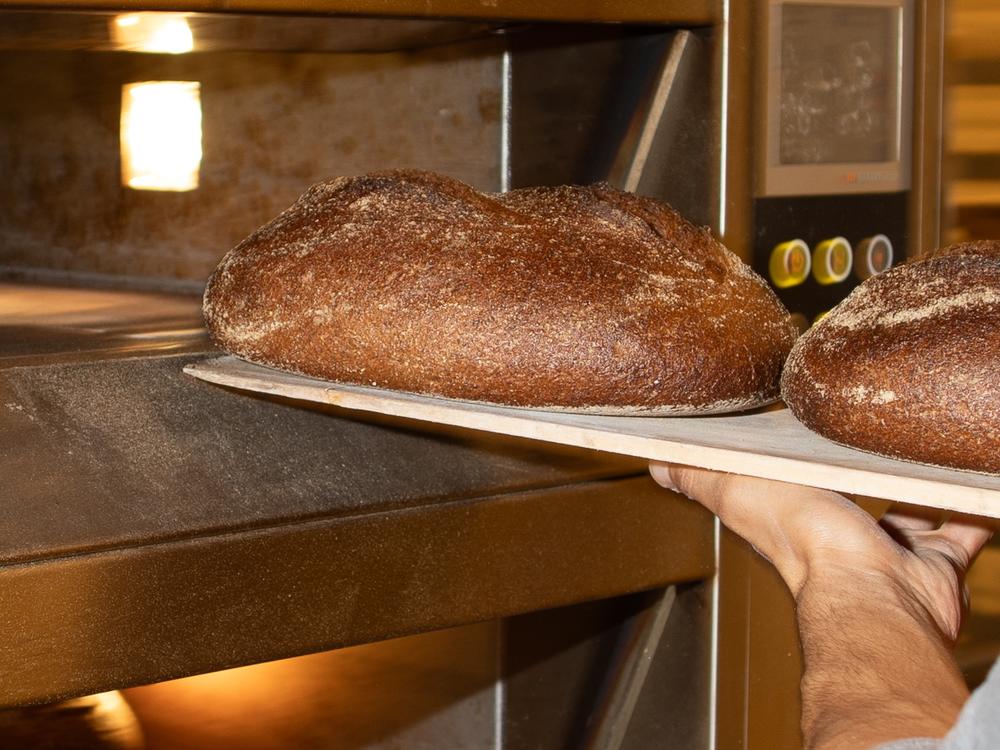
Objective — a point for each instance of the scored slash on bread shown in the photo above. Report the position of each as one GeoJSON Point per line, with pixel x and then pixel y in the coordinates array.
{"type": "Point", "coordinates": [578, 298]}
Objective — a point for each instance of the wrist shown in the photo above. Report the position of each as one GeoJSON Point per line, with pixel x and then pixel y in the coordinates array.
{"type": "Point", "coordinates": [926, 590]}
{"type": "Point", "coordinates": [877, 667]}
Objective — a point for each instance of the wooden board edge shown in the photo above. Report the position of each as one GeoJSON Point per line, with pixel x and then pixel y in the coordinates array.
{"type": "Point", "coordinates": [820, 474]}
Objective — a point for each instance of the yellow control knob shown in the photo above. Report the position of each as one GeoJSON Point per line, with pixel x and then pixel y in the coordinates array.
{"type": "Point", "coordinates": [832, 260]}
{"type": "Point", "coordinates": [872, 256]}
{"type": "Point", "coordinates": [790, 263]}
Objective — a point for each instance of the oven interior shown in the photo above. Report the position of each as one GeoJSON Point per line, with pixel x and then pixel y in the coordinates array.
{"type": "Point", "coordinates": [156, 528]}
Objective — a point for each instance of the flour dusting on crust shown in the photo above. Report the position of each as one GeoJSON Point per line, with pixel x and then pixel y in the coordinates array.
{"type": "Point", "coordinates": [583, 298]}
{"type": "Point", "coordinates": [907, 365]}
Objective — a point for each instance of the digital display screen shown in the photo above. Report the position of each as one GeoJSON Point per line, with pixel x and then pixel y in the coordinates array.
{"type": "Point", "coordinates": [839, 84]}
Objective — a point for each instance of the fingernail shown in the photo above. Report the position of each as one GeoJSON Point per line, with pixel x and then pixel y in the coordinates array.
{"type": "Point", "coordinates": [661, 475]}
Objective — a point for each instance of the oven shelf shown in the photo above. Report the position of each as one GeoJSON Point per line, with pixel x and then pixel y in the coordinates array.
{"type": "Point", "coordinates": [154, 526]}
{"type": "Point", "coordinates": [44, 324]}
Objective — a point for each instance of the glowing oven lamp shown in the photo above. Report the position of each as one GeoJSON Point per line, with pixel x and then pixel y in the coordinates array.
{"type": "Point", "coordinates": [153, 32]}
{"type": "Point", "coordinates": [161, 135]}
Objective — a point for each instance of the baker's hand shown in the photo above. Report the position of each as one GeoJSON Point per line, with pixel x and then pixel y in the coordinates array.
{"type": "Point", "coordinates": [879, 605]}
{"type": "Point", "coordinates": [808, 533]}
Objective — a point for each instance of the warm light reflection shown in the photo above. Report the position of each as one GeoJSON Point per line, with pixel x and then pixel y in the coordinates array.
{"type": "Point", "coordinates": [104, 717]}
{"type": "Point", "coordinates": [152, 32]}
{"type": "Point", "coordinates": [113, 704]}
{"type": "Point", "coordinates": [161, 135]}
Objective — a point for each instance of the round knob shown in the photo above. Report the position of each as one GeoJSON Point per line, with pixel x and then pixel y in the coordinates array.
{"type": "Point", "coordinates": [873, 256]}
{"type": "Point", "coordinates": [790, 263]}
{"type": "Point", "coordinates": [832, 260]}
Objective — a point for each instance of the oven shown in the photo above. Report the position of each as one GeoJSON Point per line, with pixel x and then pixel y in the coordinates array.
{"type": "Point", "coordinates": [253, 573]}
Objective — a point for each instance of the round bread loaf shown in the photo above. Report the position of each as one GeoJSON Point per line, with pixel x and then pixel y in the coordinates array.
{"type": "Point", "coordinates": [908, 365]}
{"type": "Point", "coordinates": [578, 298]}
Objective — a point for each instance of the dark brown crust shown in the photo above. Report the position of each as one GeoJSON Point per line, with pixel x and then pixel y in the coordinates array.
{"type": "Point", "coordinates": [572, 297]}
{"type": "Point", "coordinates": [908, 366]}
{"type": "Point", "coordinates": [989, 248]}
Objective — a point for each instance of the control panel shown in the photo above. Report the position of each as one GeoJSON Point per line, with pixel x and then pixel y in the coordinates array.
{"type": "Point", "coordinates": [815, 249]}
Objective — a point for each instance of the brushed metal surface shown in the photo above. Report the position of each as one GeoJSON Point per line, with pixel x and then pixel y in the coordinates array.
{"type": "Point", "coordinates": [926, 197]}
{"type": "Point", "coordinates": [114, 453]}
{"type": "Point", "coordinates": [152, 526]}
{"type": "Point", "coordinates": [674, 708]}
{"type": "Point", "coordinates": [273, 124]}
{"type": "Point", "coordinates": [668, 11]}
{"type": "Point", "coordinates": [48, 324]}
{"type": "Point", "coordinates": [628, 673]}
{"type": "Point", "coordinates": [148, 612]}
{"type": "Point", "coordinates": [521, 683]}
{"type": "Point", "coordinates": [627, 105]}
{"type": "Point", "coordinates": [427, 691]}
{"type": "Point", "coordinates": [669, 151]}
{"type": "Point", "coordinates": [213, 32]}
{"type": "Point", "coordinates": [572, 91]}
{"type": "Point", "coordinates": [559, 664]}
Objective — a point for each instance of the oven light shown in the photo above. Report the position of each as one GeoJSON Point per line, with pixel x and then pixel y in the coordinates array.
{"type": "Point", "coordinates": [152, 32]}
{"type": "Point", "coordinates": [161, 135]}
